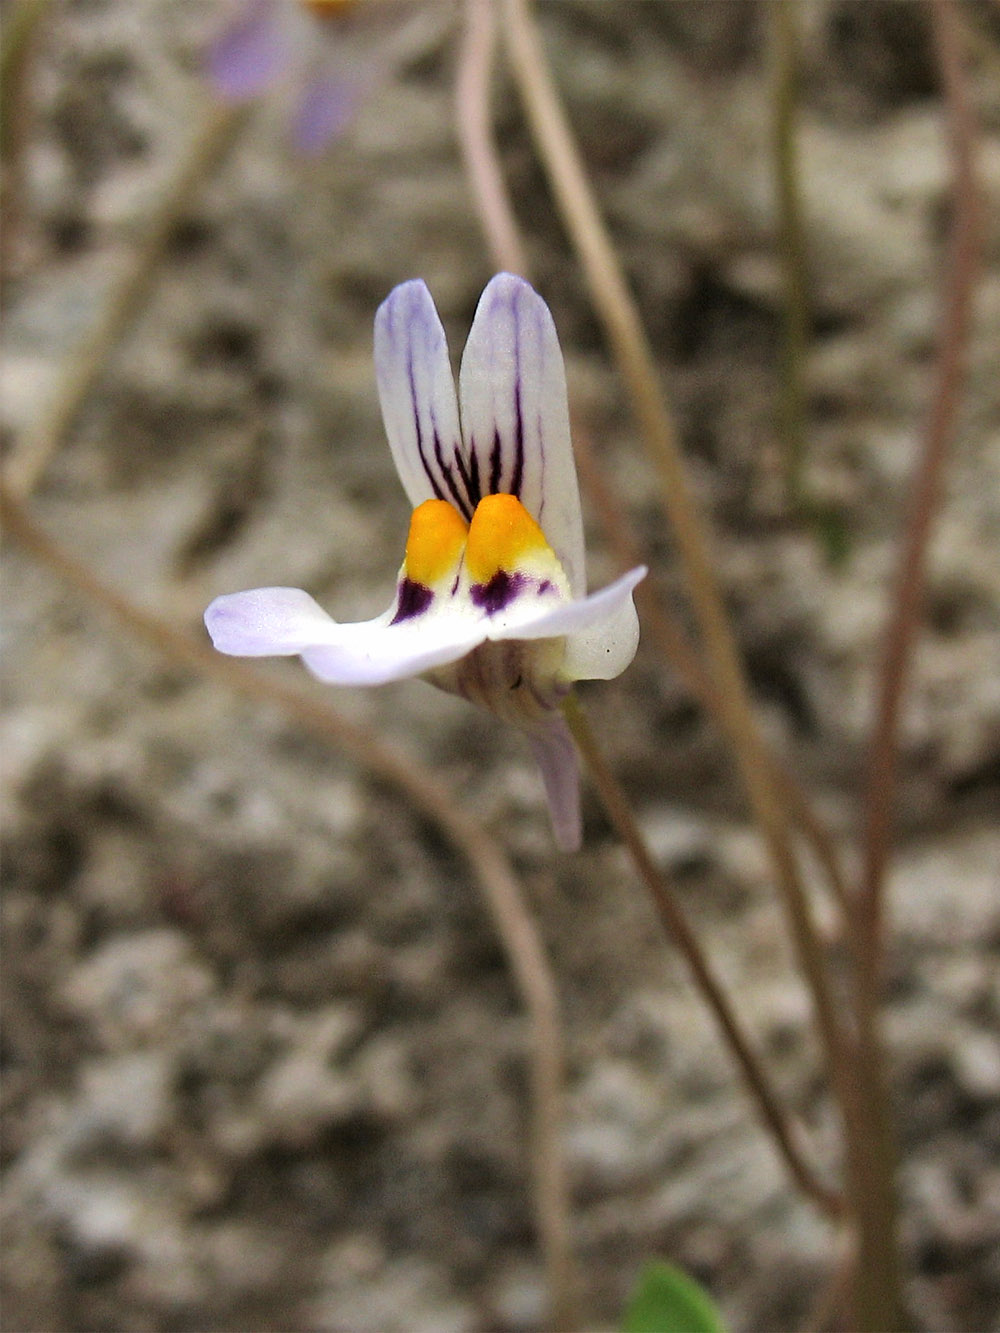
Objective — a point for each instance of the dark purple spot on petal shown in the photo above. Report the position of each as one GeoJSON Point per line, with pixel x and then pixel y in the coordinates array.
{"type": "Point", "coordinates": [544, 587]}
{"type": "Point", "coordinates": [413, 599]}
{"type": "Point", "coordinates": [499, 592]}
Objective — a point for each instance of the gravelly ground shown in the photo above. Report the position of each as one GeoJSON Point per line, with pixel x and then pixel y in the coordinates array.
{"type": "Point", "coordinates": [264, 1066]}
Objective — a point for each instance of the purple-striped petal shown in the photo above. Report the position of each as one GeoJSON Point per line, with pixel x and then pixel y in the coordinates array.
{"type": "Point", "coordinates": [250, 53]}
{"type": "Point", "coordinates": [417, 393]}
{"type": "Point", "coordinates": [515, 417]}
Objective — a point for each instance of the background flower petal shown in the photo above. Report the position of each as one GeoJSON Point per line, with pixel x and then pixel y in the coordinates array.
{"type": "Point", "coordinates": [327, 108]}
{"type": "Point", "coordinates": [416, 390]}
{"type": "Point", "coordinates": [250, 53]}
{"type": "Point", "coordinates": [515, 418]}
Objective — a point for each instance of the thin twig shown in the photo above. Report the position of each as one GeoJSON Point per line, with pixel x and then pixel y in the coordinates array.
{"type": "Point", "coordinates": [679, 932]}
{"type": "Point", "coordinates": [675, 645]}
{"type": "Point", "coordinates": [86, 362]}
{"type": "Point", "coordinates": [472, 98]}
{"type": "Point", "coordinates": [432, 798]}
{"type": "Point", "coordinates": [906, 605]}
{"type": "Point", "coordinates": [877, 1279]}
{"type": "Point", "coordinates": [617, 310]}
{"type": "Point", "coordinates": [504, 237]}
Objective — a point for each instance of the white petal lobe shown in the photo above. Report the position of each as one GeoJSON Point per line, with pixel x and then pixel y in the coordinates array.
{"type": "Point", "coordinates": [375, 652]}
{"type": "Point", "coordinates": [267, 622]}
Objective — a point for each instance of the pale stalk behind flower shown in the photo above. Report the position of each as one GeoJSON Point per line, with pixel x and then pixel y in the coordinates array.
{"type": "Point", "coordinates": [473, 121]}
{"type": "Point", "coordinates": [432, 798]}
{"type": "Point", "coordinates": [617, 311]}
{"type": "Point", "coordinates": [486, 178]}
{"type": "Point", "coordinates": [492, 199]}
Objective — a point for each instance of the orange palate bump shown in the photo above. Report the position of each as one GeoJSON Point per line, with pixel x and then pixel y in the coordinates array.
{"type": "Point", "coordinates": [501, 534]}
{"type": "Point", "coordinates": [435, 542]}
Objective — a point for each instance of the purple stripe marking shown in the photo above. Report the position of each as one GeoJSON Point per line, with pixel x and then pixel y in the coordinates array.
{"type": "Point", "coordinates": [518, 475]}
{"type": "Point", "coordinates": [496, 462]}
{"type": "Point", "coordinates": [475, 486]}
{"type": "Point", "coordinates": [469, 473]}
{"type": "Point", "coordinates": [435, 484]}
{"type": "Point", "coordinates": [461, 500]}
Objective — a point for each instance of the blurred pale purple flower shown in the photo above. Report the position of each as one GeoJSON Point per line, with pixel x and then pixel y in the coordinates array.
{"type": "Point", "coordinates": [491, 599]}
{"type": "Point", "coordinates": [272, 42]}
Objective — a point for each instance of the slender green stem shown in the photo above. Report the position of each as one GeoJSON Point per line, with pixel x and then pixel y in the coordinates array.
{"type": "Point", "coordinates": [791, 237]}
{"type": "Point", "coordinates": [19, 29]}
{"type": "Point", "coordinates": [679, 932]}
{"type": "Point", "coordinates": [17, 45]}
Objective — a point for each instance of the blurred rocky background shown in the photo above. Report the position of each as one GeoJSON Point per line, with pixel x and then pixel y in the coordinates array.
{"type": "Point", "coordinates": [263, 1063]}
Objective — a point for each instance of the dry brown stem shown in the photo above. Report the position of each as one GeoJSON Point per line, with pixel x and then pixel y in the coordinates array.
{"type": "Point", "coordinates": [679, 932]}
{"type": "Point", "coordinates": [432, 798]}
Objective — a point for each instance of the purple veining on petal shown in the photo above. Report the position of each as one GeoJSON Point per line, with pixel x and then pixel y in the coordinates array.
{"type": "Point", "coordinates": [327, 109]}
{"type": "Point", "coordinates": [250, 53]}
{"type": "Point", "coordinates": [460, 498]}
{"type": "Point", "coordinates": [496, 462]}
{"type": "Point", "coordinates": [413, 599]}
{"type": "Point", "coordinates": [475, 486]}
{"type": "Point", "coordinates": [518, 474]}
{"type": "Point", "coordinates": [499, 592]}
{"type": "Point", "coordinates": [469, 473]}
{"type": "Point", "coordinates": [445, 480]}
{"type": "Point", "coordinates": [435, 484]}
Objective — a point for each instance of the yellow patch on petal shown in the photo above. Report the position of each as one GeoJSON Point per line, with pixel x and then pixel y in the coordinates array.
{"type": "Point", "coordinates": [435, 542]}
{"type": "Point", "coordinates": [504, 536]}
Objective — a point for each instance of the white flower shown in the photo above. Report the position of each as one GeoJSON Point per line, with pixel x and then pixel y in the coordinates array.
{"type": "Point", "coordinates": [491, 598]}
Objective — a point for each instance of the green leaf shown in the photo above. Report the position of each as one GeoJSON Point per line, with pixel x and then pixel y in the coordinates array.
{"type": "Point", "coordinates": [668, 1301]}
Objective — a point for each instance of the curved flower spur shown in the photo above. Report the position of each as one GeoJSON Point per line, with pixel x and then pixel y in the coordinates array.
{"type": "Point", "coordinates": [491, 598]}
